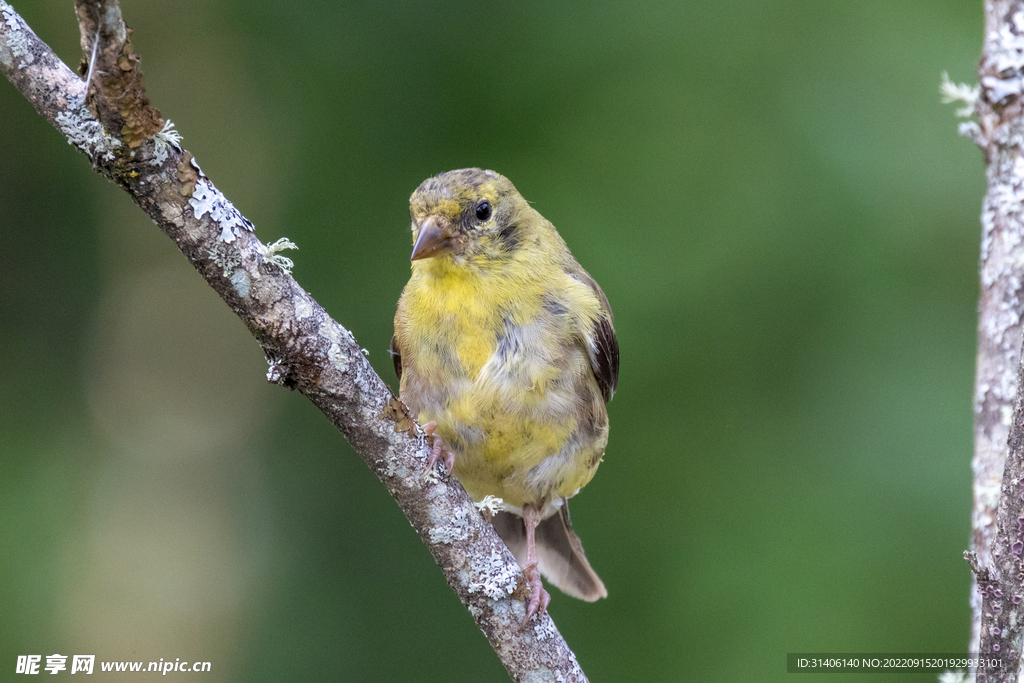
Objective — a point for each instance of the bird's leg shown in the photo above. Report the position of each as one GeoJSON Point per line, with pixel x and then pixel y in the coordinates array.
{"type": "Point", "coordinates": [437, 449]}
{"type": "Point", "coordinates": [539, 598]}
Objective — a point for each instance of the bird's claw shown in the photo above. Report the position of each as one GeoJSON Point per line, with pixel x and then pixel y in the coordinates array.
{"type": "Point", "coordinates": [437, 449]}
{"type": "Point", "coordinates": [539, 598]}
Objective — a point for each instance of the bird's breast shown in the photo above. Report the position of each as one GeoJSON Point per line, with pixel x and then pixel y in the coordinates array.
{"type": "Point", "coordinates": [499, 366]}
{"type": "Point", "coordinates": [483, 333]}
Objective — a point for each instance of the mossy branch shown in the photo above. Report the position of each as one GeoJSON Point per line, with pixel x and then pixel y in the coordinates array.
{"type": "Point", "coordinates": [112, 122]}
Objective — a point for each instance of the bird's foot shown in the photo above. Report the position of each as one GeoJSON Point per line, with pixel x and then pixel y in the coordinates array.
{"type": "Point", "coordinates": [437, 449]}
{"type": "Point", "coordinates": [539, 598]}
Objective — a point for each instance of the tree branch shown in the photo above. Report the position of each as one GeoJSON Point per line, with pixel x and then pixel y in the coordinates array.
{"type": "Point", "coordinates": [1000, 134]}
{"type": "Point", "coordinates": [1002, 587]}
{"type": "Point", "coordinates": [128, 142]}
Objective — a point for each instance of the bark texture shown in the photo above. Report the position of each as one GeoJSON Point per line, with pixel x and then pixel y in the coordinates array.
{"type": "Point", "coordinates": [1000, 134]}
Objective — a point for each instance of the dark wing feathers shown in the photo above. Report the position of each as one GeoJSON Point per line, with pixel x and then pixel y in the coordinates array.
{"type": "Point", "coordinates": [605, 360]}
{"type": "Point", "coordinates": [604, 355]}
{"type": "Point", "coordinates": [396, 356]}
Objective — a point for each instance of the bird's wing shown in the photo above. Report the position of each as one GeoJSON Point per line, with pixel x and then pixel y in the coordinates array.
{"type": "Point", "coordinates": [602, 345]}
{"type": "Point", "coordinates": [396, 356]}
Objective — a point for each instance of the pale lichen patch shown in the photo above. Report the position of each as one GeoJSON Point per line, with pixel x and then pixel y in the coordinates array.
{"type": "Point", "coordinates": [1001, 88]}
{"type": "Point", "coordinates": [431, 476]}
{"type": "Point", "coordinates": [490, 506]}
{"type": "Point", "coordinates": [400, 471]}
{"type": "Point", "coordinates": [1006, 46]}
{"type": "Point", "coordinates": [448, 529]}
{"type": "Point", "coordinates": [163, 142]}
{"type": "Point", "coordinates": [336, 353]}
{"type": "Point", "coordinates": [276, 371]}
{"type": "Point", "coordinates": [207, 199]}
{"type": "Point", "coordinates": [544, 629]}
{"type": "Point", "coordinates": [112, 22]}
{"type": "Point", "coordinates": [240, 281]}
{"type": "Point", "coordinates": [493, 578]}
{"type": "Point", "coordinates": [17, 40]}
{"type": "Point", "coordinates": [338, 357]}
{"type": "Point", "coordinates": [271, 252]}
{"type": "Point", "coordinates": [83, 131]}
{"type": "Point", "coordinates": [959, 92]}
{"type": "Point", "coordinates": [227, 258]}
{"type": "Point", "coordinates": [504, 611]}
{"type": "Point", "coordinates": [303, 308]}
{"type": "Point", "coordinates": [1004, 50]}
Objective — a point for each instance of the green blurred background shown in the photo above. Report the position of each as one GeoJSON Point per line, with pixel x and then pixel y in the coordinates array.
{"type": "Point", "coordinates": [770, 193]}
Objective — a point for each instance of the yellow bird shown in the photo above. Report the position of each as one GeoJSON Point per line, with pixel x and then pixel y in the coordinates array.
{"type": "Point", "coordinates": [505, 348]}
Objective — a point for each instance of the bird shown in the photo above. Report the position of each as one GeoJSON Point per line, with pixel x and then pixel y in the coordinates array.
{"type": "Point", "coordinates": [506, 352]}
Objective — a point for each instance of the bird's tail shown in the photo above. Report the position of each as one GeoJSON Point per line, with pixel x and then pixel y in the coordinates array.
{"type": "Point", "coordinates": [559, 553]}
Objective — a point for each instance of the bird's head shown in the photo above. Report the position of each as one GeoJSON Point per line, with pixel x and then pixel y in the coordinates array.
{"type": "Point", "coordinates": [466, 213]}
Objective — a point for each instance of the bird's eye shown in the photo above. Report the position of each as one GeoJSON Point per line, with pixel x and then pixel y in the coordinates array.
{"type": "Point", "coordinates": [483, 210]}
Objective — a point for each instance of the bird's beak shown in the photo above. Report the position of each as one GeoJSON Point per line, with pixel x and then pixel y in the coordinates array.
{"type": "Point", "coordinates": [435, 238]}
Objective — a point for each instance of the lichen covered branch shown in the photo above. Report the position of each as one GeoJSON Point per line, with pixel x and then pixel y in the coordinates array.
{"type": "Point", "coordinates": [1000, 134]}
{"type": "Point", "coordinates": [1001, 586]}
{"type": "Point", "coordinates": [127, 141]}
